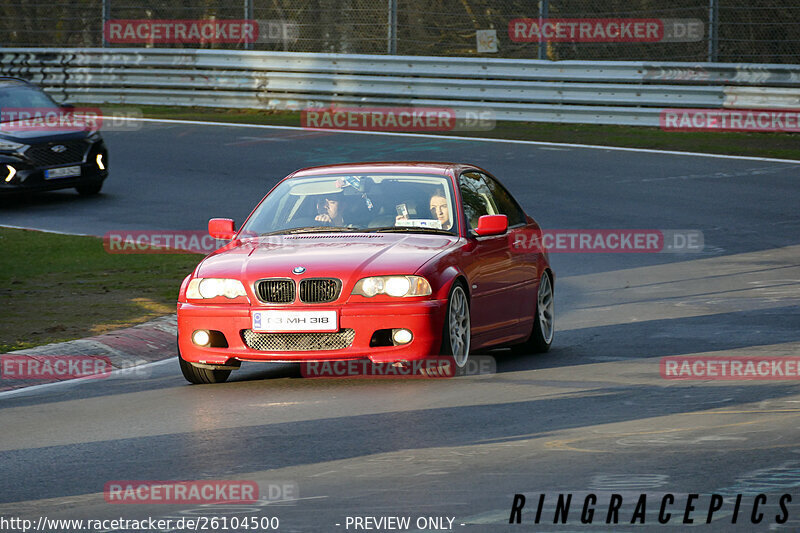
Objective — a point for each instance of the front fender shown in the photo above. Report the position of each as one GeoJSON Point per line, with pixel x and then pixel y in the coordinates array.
{"type": "Point", "coordinates": [442, 279]}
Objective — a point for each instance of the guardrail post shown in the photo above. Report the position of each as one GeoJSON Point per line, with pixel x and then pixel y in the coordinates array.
{"type": "Point", "coordinates": [105, 14]}
{"type": "Point", "coordinates": [391, 45]}
{"type": "Point", "coordinates": [713, 31]}
{"type": "Point", "coordinates": [248, 15]}
{"type": "Point", "coordinates": [544, 13]}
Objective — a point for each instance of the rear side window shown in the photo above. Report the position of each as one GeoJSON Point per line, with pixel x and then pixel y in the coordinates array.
{"type": "Point", "coordinates": [475, 197]}
{"type": "Point", "coordinates": [505, 204]}
{"type": "Point", "coordinates": [483, 195]}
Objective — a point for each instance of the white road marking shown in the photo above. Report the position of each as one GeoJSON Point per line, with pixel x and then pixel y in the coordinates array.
{"type": "Point", "coordinates": [462, 138]}
{"type": "Point", "coordinates": [47, 231]}
{"type": "Point", "coordinates": [79, 380]}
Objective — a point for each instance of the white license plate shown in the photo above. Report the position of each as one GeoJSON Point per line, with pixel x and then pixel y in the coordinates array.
{"type": "Point", "coordinates": [63, 172]}
{"type": "Point", "coordinates": [273, 321]}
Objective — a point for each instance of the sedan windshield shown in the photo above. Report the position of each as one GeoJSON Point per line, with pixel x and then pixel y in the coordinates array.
{"type": "Point", "coordinates": [19, 97]}
{"type": "Point", "coordinates": [376, 202]}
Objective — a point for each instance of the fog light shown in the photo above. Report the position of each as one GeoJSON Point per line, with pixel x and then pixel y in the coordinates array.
{"type": "Point", "coordinates": [99, 160]}
{"type": "Point", "coordinates": [201, 337]}
{"type": "Point", "coordinates": [11, 173]}
{"type": "Point", "coordinates": [402, 336]}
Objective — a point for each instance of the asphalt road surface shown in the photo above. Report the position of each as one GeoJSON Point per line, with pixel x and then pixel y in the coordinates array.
{"type": "Point", "coordinates": [593, 416]}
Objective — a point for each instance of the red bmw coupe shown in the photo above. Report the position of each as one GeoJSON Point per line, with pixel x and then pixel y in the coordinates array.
{"type": "Point", "coordinates": [380, 262]}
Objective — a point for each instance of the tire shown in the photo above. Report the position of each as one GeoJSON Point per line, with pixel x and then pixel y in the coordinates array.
{"type": "Point", "coordinates": [456, 334]}
{"type": "Point", "coordinates": [541, 337]}
{"type": "Point", "coordinates": [200, 376]}
{"type": "Point", "coordinates": [89, 189]}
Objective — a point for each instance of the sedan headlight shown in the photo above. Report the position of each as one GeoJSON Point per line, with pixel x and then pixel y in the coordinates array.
{"type": "Point", "coordinates": [10, 146]}
{"type": "Point", "coordinates": [204, 288]}
{"type": "Point", "coordinates": [10, 173]}
{"type": "Point", "coordinates": [399, 286]}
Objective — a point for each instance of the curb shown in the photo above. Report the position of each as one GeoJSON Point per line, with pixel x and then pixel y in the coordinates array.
{"type": "Point", "coordinates": [125, 349]}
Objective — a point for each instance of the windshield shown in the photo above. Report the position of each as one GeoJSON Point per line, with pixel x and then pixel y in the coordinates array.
{"type": "Point", "coordinates": [16, 97]}
{"type": "Point", "coordinates": [376, 202]}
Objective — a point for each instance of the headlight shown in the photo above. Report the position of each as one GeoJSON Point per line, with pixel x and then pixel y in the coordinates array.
{"type": "Point", "coordinates": [399, 286]}
{"type": "Point", "coordinates": [10, 173]}
{"type": "Point", "coordinates": [9, 146]}
{"type": "Point", "coordinates": [203, 288]}
{"type": "Point", "coordinates": [94, 136]}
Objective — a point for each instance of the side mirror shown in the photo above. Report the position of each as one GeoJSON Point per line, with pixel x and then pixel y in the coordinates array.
{"type": "Point", "coordinates": [221, 228]}
{"type": "Point", "coordinates": [492, 225]}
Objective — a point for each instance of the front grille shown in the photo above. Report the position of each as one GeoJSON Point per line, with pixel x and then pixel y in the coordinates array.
{"type": "Point", "coordinates": [298, 342]}
{"type": "Point", "coordinates": [319, 290]}
{"type": "Point", "coordinates": [275, 291]}
{"type": "Point", "coordinates": [42, 155]}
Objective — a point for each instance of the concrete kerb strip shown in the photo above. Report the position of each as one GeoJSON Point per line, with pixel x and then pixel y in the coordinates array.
{"type": "Point", "coordinates": [126, 349]}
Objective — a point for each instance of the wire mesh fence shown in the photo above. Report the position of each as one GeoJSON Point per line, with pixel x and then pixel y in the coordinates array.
{"type": "Point", "coordinates": [757, 31]}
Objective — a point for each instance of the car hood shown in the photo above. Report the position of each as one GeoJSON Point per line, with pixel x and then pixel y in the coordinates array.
{"type": "Point", "coordinates": [41, 135]}
{"type": "Point", "coordinates": [341, 255]}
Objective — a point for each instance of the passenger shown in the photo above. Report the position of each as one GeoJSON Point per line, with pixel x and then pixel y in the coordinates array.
{"type": "Point", "coordinates": [439, 210]}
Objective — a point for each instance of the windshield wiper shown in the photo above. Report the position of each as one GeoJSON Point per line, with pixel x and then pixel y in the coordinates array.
{"type": "Point", "coordinates": [311, 229]}
{"type": "Point", "coordinates": [411, 229]}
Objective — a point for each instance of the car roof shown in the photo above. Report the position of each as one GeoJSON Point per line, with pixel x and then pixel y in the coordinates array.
{"type": "Point", "coordinates": [409, 167]}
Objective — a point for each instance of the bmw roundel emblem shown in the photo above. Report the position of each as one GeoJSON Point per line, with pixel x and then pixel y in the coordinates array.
{"type": "Point", "coordinates": [298, 270]}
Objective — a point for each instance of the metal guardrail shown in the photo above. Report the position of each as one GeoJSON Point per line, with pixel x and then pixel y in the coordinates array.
{"type": "Point", "coordinates": [631, 93]}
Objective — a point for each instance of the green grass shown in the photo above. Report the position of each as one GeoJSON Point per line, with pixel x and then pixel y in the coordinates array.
{"type": "Point", "coordinates": [55, 288]}
{"type": "Point", "coordinates": [777, 145]}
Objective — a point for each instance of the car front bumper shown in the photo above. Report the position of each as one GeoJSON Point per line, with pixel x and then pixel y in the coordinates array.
{"type": "Point", "coordinates": [425, 319]}
{"type": "Point", "coordinates": [33, 180]}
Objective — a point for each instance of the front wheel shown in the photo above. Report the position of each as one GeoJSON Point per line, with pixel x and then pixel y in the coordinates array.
{"type": "Point", "coordinates": [89, 189]}
{"type": "Point", "coordinates": [544, 322]}
{"type": "Point", "coordinates": [199, 376]}
{"type": "Point", "coordinates": [456, 335]}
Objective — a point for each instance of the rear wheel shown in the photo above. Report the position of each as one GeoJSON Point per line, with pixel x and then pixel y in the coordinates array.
{"type": "Point", "coordinates": [456, 335]}
{"type": "Point", "coordinates": [544, 321]}
{"type": "Point", "coordinates": [199, 376]}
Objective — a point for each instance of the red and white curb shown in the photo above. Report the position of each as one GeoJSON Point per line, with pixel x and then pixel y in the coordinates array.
{"type": "Point", "coordinates": [127, 350]}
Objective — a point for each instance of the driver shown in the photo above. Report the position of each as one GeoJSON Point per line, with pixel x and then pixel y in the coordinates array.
{"type": "Point", "coordinates": [329, 210]}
